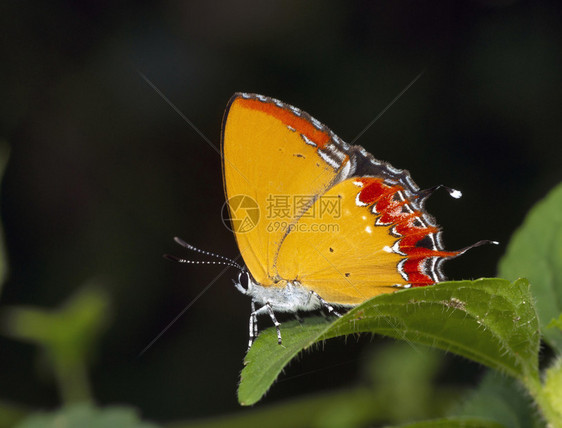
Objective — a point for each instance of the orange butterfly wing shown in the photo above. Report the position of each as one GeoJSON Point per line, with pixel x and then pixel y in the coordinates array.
{"type": "Point", "coordinates": [267, 159]}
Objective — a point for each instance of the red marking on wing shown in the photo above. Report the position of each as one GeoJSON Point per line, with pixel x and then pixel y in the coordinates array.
{"type": "Point", "coordinates": [382, 196]}
{"type": "Point", "coordinates": [374, 189]}
{"type": "Point", "coordinates": [286, 116]}
{"type": "Point", "coordinates": [414, 269]}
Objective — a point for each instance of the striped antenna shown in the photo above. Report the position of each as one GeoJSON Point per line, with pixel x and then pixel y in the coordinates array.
{"type": "Point", "coordinates": [223, 260]}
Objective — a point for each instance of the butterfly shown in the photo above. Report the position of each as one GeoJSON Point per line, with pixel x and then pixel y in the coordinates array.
{"type": "Point", "coordinates": [320, 224]}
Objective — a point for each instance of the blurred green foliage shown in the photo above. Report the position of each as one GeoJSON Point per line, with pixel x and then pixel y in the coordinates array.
{"type": "Point", "coordinates": [499, 398]}
{"type": "Point", "coordinates": [68, 336]}
{"type": "Point", "coordinates": [85, 415]}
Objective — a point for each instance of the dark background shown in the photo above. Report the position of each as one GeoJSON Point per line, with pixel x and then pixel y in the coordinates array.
{"type": "Point", "coordinates": [103, 173]}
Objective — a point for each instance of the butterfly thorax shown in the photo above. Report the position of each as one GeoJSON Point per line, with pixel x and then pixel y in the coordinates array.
{"type": "Point", "coordinates": [284, 296]}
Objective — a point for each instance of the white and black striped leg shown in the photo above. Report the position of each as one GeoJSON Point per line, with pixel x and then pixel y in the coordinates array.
{"type": "Point", "coordinates": [254, 321]}
{"type": "Point", "coordinates": [275, 322]}
{"type": "Point", "coordinates": [326, 305]}
{"type": "Point", "coordinates": [253, 325]}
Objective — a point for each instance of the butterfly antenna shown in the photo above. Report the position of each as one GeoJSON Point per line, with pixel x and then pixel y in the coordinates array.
{"type": "Point", "coordinates": [224, 260]}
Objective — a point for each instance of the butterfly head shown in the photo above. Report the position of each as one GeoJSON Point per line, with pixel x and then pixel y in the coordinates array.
{"type": "Point", "coordinates": [244, 283]}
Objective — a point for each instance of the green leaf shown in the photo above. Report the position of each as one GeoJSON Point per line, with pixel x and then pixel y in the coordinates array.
{"type": "Point", "coordinates": [535, 253]}
{"type": "Point", "coordinates": [264, 362]}
{"type": "Point", "coordinates": [489, 321]}
{"type": "Point", "coordinates": [84, 415]}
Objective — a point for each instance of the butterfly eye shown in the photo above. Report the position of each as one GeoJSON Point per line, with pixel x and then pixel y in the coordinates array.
{"type": "Point", "coordinates": [244, 280]}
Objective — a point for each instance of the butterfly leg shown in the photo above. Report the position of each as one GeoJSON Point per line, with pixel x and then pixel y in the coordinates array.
{"type": "Point", "coordinates": [253, 325]}
{"type": "Point", "coordinates": [254, 322]}
{"type": "Point", "coordinates": [275, 322]}
{"type": "Point", "coordinates": [325, 304]}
